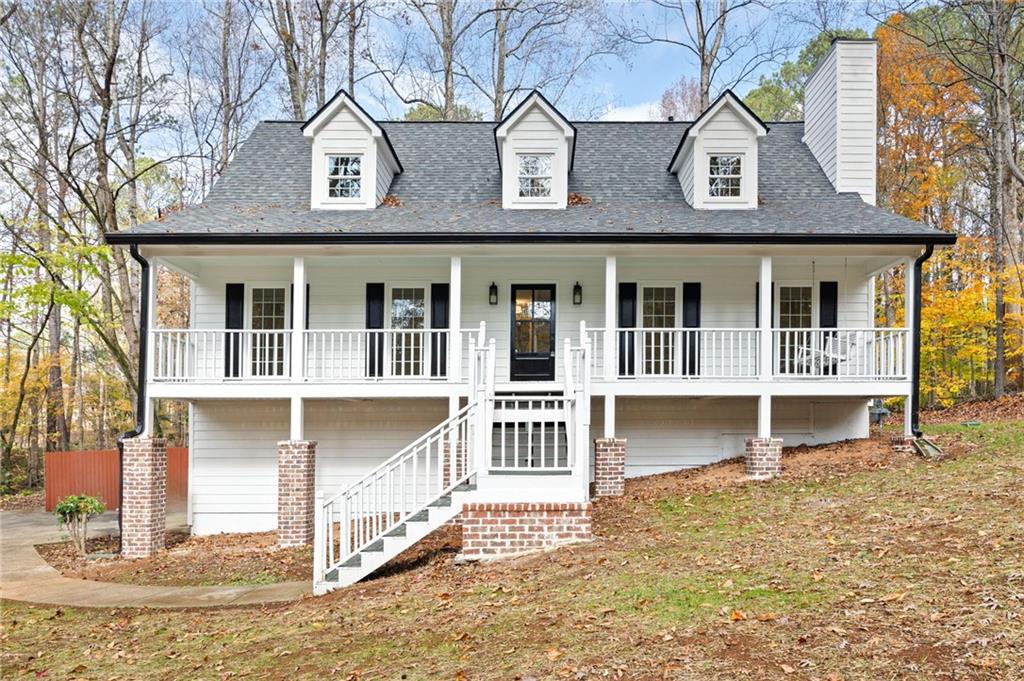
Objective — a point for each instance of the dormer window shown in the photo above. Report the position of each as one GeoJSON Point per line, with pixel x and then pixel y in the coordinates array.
{"type": "Point", "coordinates": [716, 159]}
{"type": "Point", "coordinates": [725, 177]}
{"type": "Point", "coordinates": [535, 176]}
{"type": "Point", "coordinates": [344, 176]}
{"type": "Point", "coordinates": [536, 146]}
{"type": "Point", "coordinates": [348, 147]}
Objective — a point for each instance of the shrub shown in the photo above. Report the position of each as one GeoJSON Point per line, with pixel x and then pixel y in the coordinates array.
{"type": "Point", "coordinates": [73, 512]}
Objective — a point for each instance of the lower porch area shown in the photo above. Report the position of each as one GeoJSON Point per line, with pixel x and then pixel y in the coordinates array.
{"type": "Point", "coordinates": [234, 451]}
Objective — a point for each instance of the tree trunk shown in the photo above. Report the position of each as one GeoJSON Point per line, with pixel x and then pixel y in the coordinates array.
{"type": "Point", "coordinates": [500, 50]}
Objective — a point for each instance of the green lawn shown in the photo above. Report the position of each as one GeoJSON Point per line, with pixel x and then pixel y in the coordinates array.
{"type": "Point", "coordinates": [901, 569]}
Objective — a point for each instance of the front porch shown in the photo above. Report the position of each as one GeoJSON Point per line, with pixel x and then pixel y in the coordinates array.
{"type": "Point", "coordinates": [370, 325]}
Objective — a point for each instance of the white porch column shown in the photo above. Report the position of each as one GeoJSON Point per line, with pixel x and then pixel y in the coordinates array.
{"type": "Point", "coordinates": [908, 324]}
{"type": "Point", "coordinates": [764, 416]}
{"type": "Point", "coordinates": [764, 318]}
{"type": "Point", "coordinates": [609, 416]}
{"type": "Point", "coordinates": [455, 320]}
{"type": "Point", "coordinates": [150, 407]}
{"type": "Point", "coordinates": [611, 372]}
{"type": "Point", "coordinates": [298, 368]}
{"type": "Point", "coordinates": [296, 422]}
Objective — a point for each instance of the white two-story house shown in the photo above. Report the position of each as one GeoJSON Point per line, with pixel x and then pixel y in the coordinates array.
{"type": "Point", "coordinates": [397, 323]}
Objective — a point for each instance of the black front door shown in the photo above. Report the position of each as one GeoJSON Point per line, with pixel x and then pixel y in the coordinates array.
{"type": "Point", "coordinates": [533, 332]}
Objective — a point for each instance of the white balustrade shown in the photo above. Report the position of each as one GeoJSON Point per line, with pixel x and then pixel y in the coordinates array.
{"type": "Point", "coordinates": [195, 355]}
{"type": "Point", "coordinates": [687, 353]}
{"type": "Point", "coordinates": [860, 354]}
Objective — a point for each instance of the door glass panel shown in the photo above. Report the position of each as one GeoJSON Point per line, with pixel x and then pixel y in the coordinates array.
{"type": "Point", "coordinates": [268, 315]}
{"type": "Point", "coordinates": [795, 312]}
{"type": "Point", "coordinates": [408, 319]}
{"type": "Point", "coordinates": [659, 312]}
{"type": "Point", "coordinates": [533, 309]}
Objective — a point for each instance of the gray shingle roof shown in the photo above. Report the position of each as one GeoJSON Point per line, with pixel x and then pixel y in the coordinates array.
{"type": "Point", "coordinates": [452, 186]}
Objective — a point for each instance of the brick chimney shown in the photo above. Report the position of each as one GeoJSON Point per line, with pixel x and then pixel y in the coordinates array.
{"type": "Point", "coordinates": [840, 115]}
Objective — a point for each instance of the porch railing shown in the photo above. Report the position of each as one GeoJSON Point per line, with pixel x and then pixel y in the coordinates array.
{"type": "Point", "coordinates": [861, 354]}
{"type": "Point", "coordinates": [182, 355]}
{"type": "Point", "coordinates": [376, 354]}
{"type": "Point", "coordinates": [687, 353]}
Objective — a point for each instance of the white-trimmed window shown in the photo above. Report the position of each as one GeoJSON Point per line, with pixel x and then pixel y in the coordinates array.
{"type": "Point", "coordinates": [344, 176]}
{"type": "Point", "coordinates": [725, 176]}
{"type": "Point", "coordinates": [535, 175]}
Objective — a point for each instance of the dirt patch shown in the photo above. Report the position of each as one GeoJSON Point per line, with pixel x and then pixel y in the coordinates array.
{"type": "Point", "coordinates": [33, 501]}
{"type": "Point", "coordinates": [1005, 408]}
{"type": "Point", "coordinates": [226, 559]}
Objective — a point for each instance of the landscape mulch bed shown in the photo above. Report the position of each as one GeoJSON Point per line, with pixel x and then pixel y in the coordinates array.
{"type": "Point", "coordinates": [226, 559]}
{"type": "Point", "coordinates": [34, 501]}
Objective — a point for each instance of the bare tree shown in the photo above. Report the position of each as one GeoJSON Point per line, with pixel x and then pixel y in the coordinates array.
{"type": "Point", "coordinates": [730, 39]}
{"type": "Point", "coordinates": [421, 67]}
{"type": "Point", "coordinates": [543, 44]}
{"type": "Point", "coordinates": [225, 69]}
{"type": "Point", "coordinates": [682, 101]}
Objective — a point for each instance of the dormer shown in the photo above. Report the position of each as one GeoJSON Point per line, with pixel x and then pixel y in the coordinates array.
{"type": "Point", "coordinates": [353, 162]}
{"type": "Point", "coordinates": [716, 160]}
{"type": "Point", "coordinates": [536, 146]}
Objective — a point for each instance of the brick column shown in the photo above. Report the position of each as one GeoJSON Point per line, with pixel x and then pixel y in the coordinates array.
{"type": "Point", "coordinates": [144, 501]}
{"type": "Point", "coordinates": [296, 483]}
{"type": "Point", "coordinates": [609, 467]}
{"type": "Point", "coordinates": [501, 530]}
{"type": "Point", "coordinates": [460, 468]}
{"type": "Point", "coordinates": [764, 457]}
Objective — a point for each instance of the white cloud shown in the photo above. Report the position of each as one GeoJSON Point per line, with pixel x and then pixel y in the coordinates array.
{"type": "Point", "coordinates": [644, 111]}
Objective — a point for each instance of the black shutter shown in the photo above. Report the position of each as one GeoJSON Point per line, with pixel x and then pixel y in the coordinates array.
{"type": "Point", "coordinates": [828, 317]}
{"type": "Point", "coordinates": [374, 320]}
{"type": "Point", "coordinates": [757, 306]}
{"type": "Point", "coordinates": [291, 303]}
{"type": "Point", "coordinates": [627, 320]}
{"type": "Point", "coordinates": [691, 320]}
{"type": "Point", "coordinates": [234, 318]}
{"type": "Point", "coordinates": [828, 305]}
{"type": "Point", "coordinates": [439, 295]}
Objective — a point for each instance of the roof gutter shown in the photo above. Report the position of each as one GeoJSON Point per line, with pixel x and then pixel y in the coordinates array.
{"type": "Point", "coordinates": [915, 395]}
{"type": "Point", "coordinates": [422, 238]}
{"type": "Point", "coordinates": [140, 403]}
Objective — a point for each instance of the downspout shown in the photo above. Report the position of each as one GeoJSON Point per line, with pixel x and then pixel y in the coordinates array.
{"type": "Point", "coordinates": [915, 396]}
{"type": "Point", "coordinates": [140, 404]}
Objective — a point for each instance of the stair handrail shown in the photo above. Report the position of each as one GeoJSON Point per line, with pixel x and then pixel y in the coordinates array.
{"type": "Point", "coordinates": [459, 430]}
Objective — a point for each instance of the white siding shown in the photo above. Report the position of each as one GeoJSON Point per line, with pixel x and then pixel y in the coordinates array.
{"type": "Point", "coordinates": [478, 273]}
{"type": "Point", "coordinates": [234, 459]}
{"type": "Point", "coordinates": [667, 434]}
{"type": "Point", "coordinates": [686, 173]}
{"type": "Point", "coordinates": [820, 115]}
{"type": "Point", "coordinates": [840, 117]}
{"type": "Point", "coordinates": [385, 174]}
{"type": "Point", "coordinates": [337, 289]}
{"type": "Point", "coordinates": [724, 132]}
{"type": "Point", "coordinates": [234, 452]}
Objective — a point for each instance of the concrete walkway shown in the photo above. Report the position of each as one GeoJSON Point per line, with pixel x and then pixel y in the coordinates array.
{"type": "Point", "coordinates": [25, 576]}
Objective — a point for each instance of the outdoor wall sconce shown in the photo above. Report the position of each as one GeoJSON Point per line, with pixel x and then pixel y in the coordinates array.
{"type": "Point", "coordinates": [492, 294]}
{"type": "Point", "coordinates": [577, 294]}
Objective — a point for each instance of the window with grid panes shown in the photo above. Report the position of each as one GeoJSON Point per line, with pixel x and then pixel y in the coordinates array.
{"type": "Point", "coordinates": [725, 176]}
{"type": "Point", "coordinates": [534, 175]}
{"type": "Point", "coordinates": [659, 312]}
{"type": "Point", "coordinates": [344, 176]}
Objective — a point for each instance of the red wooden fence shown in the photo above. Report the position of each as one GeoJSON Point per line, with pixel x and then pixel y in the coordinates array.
{"type": "Point", "coordinates": [98, 474]}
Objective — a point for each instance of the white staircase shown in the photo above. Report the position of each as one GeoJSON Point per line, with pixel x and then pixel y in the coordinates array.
{"type": "Point", "coordinates": [425, 485]}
